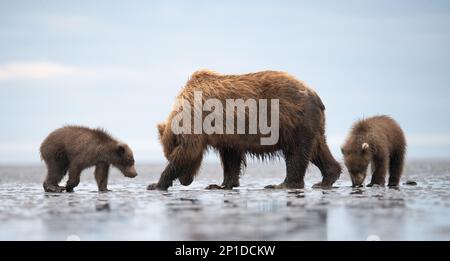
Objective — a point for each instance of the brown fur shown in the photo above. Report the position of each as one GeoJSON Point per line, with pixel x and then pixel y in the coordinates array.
{"type": "Point", "coordinates": [301, 135]}
{"type": "Point", "coordinates": [74, 148]}
{"type": "Point", "coordinates": [385, 149]}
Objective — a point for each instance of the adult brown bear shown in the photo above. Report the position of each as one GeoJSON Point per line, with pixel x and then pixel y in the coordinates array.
{"type": "Point", "coordinates": [301, 129]}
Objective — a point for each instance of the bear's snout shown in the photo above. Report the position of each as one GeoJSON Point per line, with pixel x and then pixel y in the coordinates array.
{"type": "Point", "coordinates": [357, 179]}
{"type": "Point", "coordinates": [131, 172]}
{"type": "Point", "coordinates": [131, 175]}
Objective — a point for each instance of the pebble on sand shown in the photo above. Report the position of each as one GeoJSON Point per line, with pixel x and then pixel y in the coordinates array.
{"type": "Point", "coordinates": [410, 183]}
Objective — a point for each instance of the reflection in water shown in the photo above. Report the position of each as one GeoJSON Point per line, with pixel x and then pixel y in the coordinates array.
{"type": "Point", "coordinates": [102, 207]}
{"type": "Point", "coordinates": [130, 212]}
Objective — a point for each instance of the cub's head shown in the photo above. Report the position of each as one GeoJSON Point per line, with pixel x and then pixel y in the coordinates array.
{"type": "Point", "coordinates": [357, 156]}
{"type": "Point", "coordinates": [123, 160]}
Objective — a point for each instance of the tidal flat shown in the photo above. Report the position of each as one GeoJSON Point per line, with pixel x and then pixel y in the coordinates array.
{"type": "Point", "coordinates": [250, 212]}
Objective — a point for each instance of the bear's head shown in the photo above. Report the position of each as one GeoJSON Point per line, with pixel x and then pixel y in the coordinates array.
{"type": "Point", "coordinates": [357, 156]}
{"type": "Point", "coordinates": [123, 160]}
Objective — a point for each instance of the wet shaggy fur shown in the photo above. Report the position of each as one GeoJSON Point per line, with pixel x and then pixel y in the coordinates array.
{"type": "Point", "coordinates": [74, 148]}
{"type": "Point", "coordinates": [301, 133]}
{"type": "Point", "coordinates": [378, 141]}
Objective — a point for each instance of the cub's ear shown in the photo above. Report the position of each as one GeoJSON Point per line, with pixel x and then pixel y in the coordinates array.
{"type": "Point", "coordinates": [161, 128]}
{"type": "Point", "coordinates": [365, 146]}
{"type": "Point", "coordinates": [120, 150]}
{"type": "Point", "coordinates": [342, 150]}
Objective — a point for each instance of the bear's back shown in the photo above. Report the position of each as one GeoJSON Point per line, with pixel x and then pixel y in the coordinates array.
{"type": "Point", "coordinates": [75, 139]}
{"type": "Point", "coordinates": [258, 85]}
{"type": "Point", "coordinates": [381, 131]}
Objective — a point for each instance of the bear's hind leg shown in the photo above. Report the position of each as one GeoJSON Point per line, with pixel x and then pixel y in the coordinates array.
{"type": "Point", "coordinates": [56, 171]}
{"type": "Point", "coordinates": [395, 169]}
{"type": "Point", "coordinates": [328, 166]}
{"type": "Point", "coordinates": [232, 160]}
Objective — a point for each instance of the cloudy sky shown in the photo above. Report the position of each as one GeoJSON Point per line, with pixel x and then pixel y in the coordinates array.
{"type": "Point", "coordinates": [119, 64]}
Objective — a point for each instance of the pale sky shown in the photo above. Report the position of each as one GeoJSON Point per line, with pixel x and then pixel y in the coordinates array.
{"type": "Point", "coordinates": [119, 64]}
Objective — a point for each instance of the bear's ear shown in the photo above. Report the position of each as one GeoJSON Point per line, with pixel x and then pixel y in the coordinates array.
{"type": "Point", "coordinates": [120, 150]}
{"type": "Point", "coordinates": [161, 129]}
{"type": "Point", "coordinates": [342, 150]}
{"type": "Point", "coordinates": [365, 146]}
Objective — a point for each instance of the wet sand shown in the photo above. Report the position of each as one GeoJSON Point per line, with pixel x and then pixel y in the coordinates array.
{"type": "Point", "coordinates": [129, 212]}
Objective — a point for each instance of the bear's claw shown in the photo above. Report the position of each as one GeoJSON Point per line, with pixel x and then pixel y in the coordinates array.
{"type": "Point", "coordinates": [54, 189]}
{"type": "Point", "coordinates": [215, 186]}
{"type": "Point", "coordinates": [155, 186]}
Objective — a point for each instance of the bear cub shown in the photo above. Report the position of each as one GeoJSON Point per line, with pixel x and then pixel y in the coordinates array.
{"type": "Point", "coordinates": [377, 140]}
{"type": "Point", "coordinates": [71, 149]}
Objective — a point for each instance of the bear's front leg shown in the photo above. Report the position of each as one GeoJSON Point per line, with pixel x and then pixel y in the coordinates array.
{"type": "Point", "coordinates": [296, 164]}
{"type": "Point", "coordinates": [166, 180]}
{"type": "Point", "coordinates": [101, 176]}
{"type": "Point", "coordinates": [56, 171]}
{"type": "Point", "coordinates": [184, 163]}
{"type": "Point", "coordinates": [74, 178]}
{"type": "Point", "coordinates": [232, 160]}
{"type": "Point", "coordinates": [380, 164]}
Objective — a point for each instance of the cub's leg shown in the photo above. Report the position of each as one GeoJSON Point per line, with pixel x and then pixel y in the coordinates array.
{"type": "Point", "coordinates": [232, 160]}
{"type": "Point", "coordinates": [101, 176]}
{"type": "Point", "coordinates": [380, 164]}
{"type": "Point", "coordinates": [74, 177]}
{"type": "Point", "coordinates": [396, 164]}
{"type": "Point", "coordinates": [55, 172]}
{"type": "Point", "coordinates": [328, 166]}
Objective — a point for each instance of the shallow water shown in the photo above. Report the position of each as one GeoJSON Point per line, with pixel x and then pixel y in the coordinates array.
{"type": "Point", "coordinates": [249, 212]}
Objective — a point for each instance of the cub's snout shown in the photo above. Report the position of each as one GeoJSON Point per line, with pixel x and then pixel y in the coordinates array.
{"type": "Point", "coordinates": [131, 172]}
